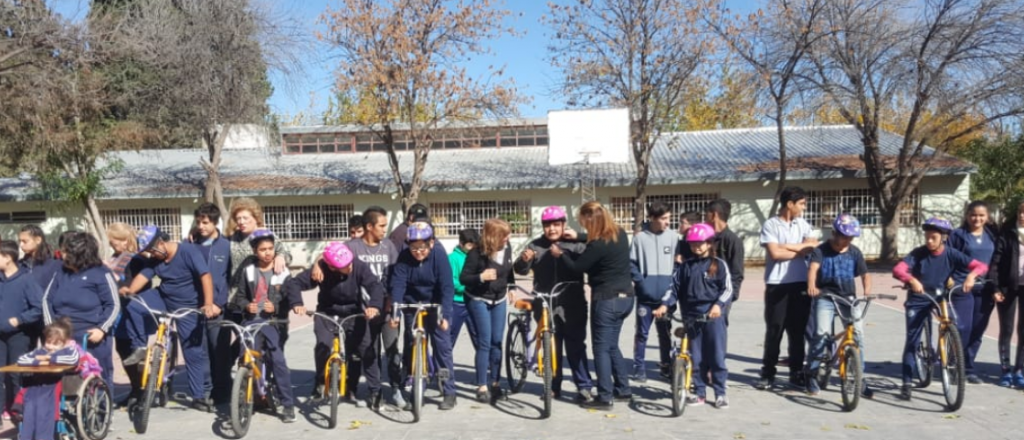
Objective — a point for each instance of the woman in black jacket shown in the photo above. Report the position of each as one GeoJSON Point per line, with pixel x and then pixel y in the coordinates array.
{"type": "Point", "coordinates": [486, 275]}
{"type": "Point", "coordinates": [1007, 272]}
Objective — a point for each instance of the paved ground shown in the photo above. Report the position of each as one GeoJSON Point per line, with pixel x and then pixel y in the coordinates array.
{"type": "Point", "coordinates": [989, 411]}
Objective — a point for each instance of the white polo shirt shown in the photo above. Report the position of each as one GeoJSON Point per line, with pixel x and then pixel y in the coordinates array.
{"type": "Point", "coordinates": [778, 231]}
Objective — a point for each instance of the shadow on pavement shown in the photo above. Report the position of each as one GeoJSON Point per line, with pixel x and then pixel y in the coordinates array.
{"type": "Point", "coordinates": [815, 402]}
{"type": "Point", "coordinates": [649, 408]}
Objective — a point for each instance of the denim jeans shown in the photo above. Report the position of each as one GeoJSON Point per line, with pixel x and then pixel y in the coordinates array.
{"type": "Point", "coordinates": [824, 310]}
{"type": "Point", "coordinates": [607, 317]}
{"type": "Point", "coordinates": [460, 317]}
{"type": "Point", "coordinates": [489, 321]}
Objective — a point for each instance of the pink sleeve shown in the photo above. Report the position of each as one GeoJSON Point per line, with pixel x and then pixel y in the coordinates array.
{"type": "Point", "coordinates": [902, 272]}
{"type": "Point", "coordinates": [979, 268]}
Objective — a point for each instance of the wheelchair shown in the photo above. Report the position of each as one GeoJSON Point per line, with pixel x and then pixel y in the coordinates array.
{"type": "Point", "coordinates": [86, 405]}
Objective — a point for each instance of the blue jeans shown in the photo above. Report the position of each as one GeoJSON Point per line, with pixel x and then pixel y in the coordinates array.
{"type": "Point", "coordinates": [606, 319]}
{"type": "Point", "coordinates": [708, 345]}
{"type": "Point", "coordinates": [644, 319]}
{"type": "Point", "coordinates": [823, 313]}
{"type": "Point", "coordinates": [918, 312]}
{"type": "Point", "coordinates": [489, 321]}
{"type": "Point", "coordinates": [460, 316]}
{"type": "Point", "coordinates": [973, 311]}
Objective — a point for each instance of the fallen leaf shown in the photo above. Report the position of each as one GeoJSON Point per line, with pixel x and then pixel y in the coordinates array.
{"type": "Point", "coordinates": [766, 423]}
{"type": "Point", "coordinates": [591, 411]}
{"type": "Point", "coordinates": [609, 416]}
{"type": "Point", "coordinates": [826, 428]}
{"type": "Point", "coordinates": [739, 436]}
{"type": "Point", "coordinates": [354, 425]}
{"type": "Point", "coordinates": [951, 416]}
{"type": "Point", "coordinates": [628, 430]}
{"type": "Point", "coordinates": [855, 426]}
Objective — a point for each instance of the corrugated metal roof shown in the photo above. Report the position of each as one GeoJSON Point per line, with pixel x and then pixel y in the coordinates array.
{"type": "Point", "coordinates": [680, 158]}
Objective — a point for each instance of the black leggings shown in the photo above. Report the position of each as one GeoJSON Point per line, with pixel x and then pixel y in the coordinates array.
{"type": "Point", "coordinates": [1013, 302]}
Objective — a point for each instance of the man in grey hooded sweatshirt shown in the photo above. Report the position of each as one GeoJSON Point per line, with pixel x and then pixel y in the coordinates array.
{"type": "Point", "coordinates": [653, 261]}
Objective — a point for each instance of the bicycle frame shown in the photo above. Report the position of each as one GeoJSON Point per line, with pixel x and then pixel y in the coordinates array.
{"type": "Point", "coordinates": [164, 321]}
{"type": "Point", "coordinates": [849, 322]}
{"type": "Point", "coordinates": [546, 324]}
{"type": "Point", "coordinates": [249, 354]}
{"type": "Point", "coordinates": [337, 348]}
{"type": "Point", "coordinates": [419, 360]}
{"type": "Point", "coordinates": [683, 344]}
{"type": "Point", "coordinates": [944, 314]}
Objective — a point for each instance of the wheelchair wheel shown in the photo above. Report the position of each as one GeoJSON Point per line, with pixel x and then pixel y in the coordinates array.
{"type": "Point", "coordinates": [93, 409]}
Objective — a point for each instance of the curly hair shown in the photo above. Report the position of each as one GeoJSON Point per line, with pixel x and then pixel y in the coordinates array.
{"type": "Point", "coordinates": [81, 252]}
{"type": "Point", "coordinates": [244, 204]}
{"type": "Point", "coordinates": [124, 231]}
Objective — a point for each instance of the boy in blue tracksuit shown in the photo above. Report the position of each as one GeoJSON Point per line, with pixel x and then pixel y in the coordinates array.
{"type": "Point", "coordinates": [185, 282]}
{"type": "Point", "coordinates": [652, 257]}
{"type": "Point", "coordinates": [703, 286]}
{"type": "Point", "coordinates": [21, 301]}
{"type": "Point", "coordinates": [216, 251]}
{"type": "Point", "coordinates": [424, 275]}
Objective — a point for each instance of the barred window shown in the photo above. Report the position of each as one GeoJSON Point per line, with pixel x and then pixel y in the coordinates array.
{"type": "Point", "coordinates": [622, 207]}
{"type": "Point", "coordinates": [23, 217]}
{"type": "Point", "coordinates": [308, 222]}
{"type": "Point", "coordinates": [823, 207]}
{"type": "Point", "coordinates": [167, 219]}
{"type": "Point", "coordinates": [451, 217]}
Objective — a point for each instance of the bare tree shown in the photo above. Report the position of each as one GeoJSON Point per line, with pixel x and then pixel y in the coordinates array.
{"type": "Point", "coordinates": [403, 61]}
{"type": "Point", "coordinates": [935, 63]}
{"type": "Point", "coordinates": [774, 42]}
{"type": "Point", "coordinates": [206, 63]}
{"type": "Point", "coordinates": [640, 54]}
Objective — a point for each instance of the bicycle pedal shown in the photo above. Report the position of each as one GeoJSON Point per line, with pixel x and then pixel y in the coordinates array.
{"type": "Point", "coordinates": [442, 374]}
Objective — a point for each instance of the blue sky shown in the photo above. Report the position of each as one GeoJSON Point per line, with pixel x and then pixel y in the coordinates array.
{"type": "Point", "coordinates": [523, 56]}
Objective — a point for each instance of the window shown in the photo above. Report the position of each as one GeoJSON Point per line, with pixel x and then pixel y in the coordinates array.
{"type": "Point", "coordinates": [308, 222]}
{"type": "Point", "coordinates": [622, 207]}
{"type": "Point", "coordinates": [482, 137]}
{"type": "Point", "coordinates": [823, 206]}
{"type": "Point", "coordinates": [23, 217]}
{"type": "Point", "coordinates": [167, 219]}
{"type": "Point", "coordinates": [451, 217]}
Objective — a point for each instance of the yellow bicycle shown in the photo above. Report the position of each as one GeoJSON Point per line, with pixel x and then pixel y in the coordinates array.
{"type": "Point", "coordinates": [420, 361]}
{"type": "Point", "coordinates": [682, 366]}
{"type": "Point", "coordinates": [517, 354]}
{"type": "Point", "coordinates": [336, 369]}
{"type": "Point", "coordinates": [253, 380]}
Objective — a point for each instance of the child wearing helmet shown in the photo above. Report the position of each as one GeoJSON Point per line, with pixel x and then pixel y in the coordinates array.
{"type": "Point", "coordinates": [703, 287]}
{"type": "Point", "coordinates": [258, 298]}
{"type": "Point", "coordinates": [570, 308]}
{"type": "Point", "coordinates": [834, 268]}
{"type": "Point", "coordinates": [926, 269]}
{"type": "Point", "coordinates": [348, 287]}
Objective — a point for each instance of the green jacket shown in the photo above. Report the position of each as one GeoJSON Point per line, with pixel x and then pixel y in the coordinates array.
{"type": "Point", "coordinates": [458, 259]}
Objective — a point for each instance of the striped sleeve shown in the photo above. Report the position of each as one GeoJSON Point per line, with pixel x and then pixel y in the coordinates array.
{"type": "Point", "coordinates": [65, 356]}
{"type": "Point", "coordinates": [114, 307]}
{"type": "Point", "coordinates": [30, 357]}
{"type": "Point", "coordinates": [47, 309]}
{"type": "Point", "coordinates": [723, 269]}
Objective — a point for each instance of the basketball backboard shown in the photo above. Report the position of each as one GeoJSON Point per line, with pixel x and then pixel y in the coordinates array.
{"type": "Point", "coordinates": [588, 136]}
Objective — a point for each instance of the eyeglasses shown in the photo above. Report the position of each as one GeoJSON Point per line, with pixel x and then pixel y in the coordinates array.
{"type": "Point", "coordinates": [419, 249]}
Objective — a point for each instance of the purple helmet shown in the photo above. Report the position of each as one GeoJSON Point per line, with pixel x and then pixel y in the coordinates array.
{"type": "Point", "coordinates": [846, 224]}
{"type": "Point", "coordinates": [148, 236]}
{"type": "Point", "coordinates": [419, 231]}
{"type": "Point", "coordinates": [700, 232]}
{"type": "Point", "coordinates": [338, 255]}
{"type": "Point", "coordinates": [937, 224]}
{"type": "Point", "coordinates": [260, 234]}
{"type": "Point", "coordinates": [552, 214]}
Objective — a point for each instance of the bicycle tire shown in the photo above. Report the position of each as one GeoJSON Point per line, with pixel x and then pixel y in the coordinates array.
{"type": "Point", "coordinates": [924, 356]}
{"type": "Point", "coordinates": [94, 409]}
{"type": "Point", "coordinates": [852, 379]}
{"type": "Point", "coordinates": [548, 371]}
{"type": "Point", "coordinates": [516, 365]}
{"type": "Point", "coordinates": [334, 390]}
{"type": "Point", "coordinates": [953, 369]}
{"type": "Point", "coordinates": [141, 421]}
{"type": "Point", "coordinates": [419, 364]}
{"type": "Point", "coordinates": [680, 369]}
{"type": "Point", "coordinates": [241, 401]}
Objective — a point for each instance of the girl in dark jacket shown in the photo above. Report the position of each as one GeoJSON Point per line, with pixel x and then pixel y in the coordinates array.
{"type": "Point", "coordinates": [1007, 272]}
{"type": "Point", "coordinates": [976, 238]}
{"type": "Point", "coordinates": [486, 275]}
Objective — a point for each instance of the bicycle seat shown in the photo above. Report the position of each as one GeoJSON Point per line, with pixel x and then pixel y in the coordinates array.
{"type": "Point", "coordinates": [523, 304]}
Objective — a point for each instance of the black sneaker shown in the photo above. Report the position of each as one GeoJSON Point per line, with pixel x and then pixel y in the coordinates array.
{"type": "Point", "coordinates": [867, 392]}
{"type": "Point", "coordinates": [765, 383]}
{"type": "Point", "coordinates": [665, 371]}
{"type": "Point", "coordinates": [797, 379]}
{"type": "Point", "coordinates": [625, 398]}
{"type": "Point", "coordinates": [288, 415]}
{"type": "Point", "coordinates": [497, 394]}
{"type": "Point", "coordinates": [204, 405]}
{"type": "Point", "coordinates": [638, 377]}
{"type": "Point", "coordinates": [137, 356]}
{"type": "Point", "coordinates": [584, 396]}
{"type": "Point", "coordinates": [905, 392]}
{"type": "Point", "coordinates": [598, 405]}
{"type": "Point", "coordinates": [448, 403]}
{"type": "Point", "coordinates": [317, 394]}
{"type": "Point", "coordinates": [973, 379]}
{"type": "Point", "coordinates": [374, 401]}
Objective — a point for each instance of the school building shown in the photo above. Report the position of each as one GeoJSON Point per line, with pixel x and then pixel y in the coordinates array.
{"type": "Point", "coordinates": [311, 179]}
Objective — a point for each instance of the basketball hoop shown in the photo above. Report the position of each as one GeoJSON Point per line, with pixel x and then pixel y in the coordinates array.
{"type": "Point", "coordinates": [585, 138]}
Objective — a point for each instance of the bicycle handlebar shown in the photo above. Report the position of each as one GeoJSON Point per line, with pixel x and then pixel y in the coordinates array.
{"type": "Point", "coordinates": [556, 290]}
{"type": "Point", "coordinates": [247, 333]}
{"type": "Point", "coordinates": [333, 319]}
{"type": "Point", "coordinates": [396, 309]}
{"type": "Point", "coordinates": [688, 320]}
{"type": "Point", "coordinates": [175, 315]}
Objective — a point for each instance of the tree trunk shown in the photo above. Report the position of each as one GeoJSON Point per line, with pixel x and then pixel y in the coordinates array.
{"type": "Point", "coordinates": [213, 190]}
{"type": "Point", "coordinates": [94, 222]}
{"type": "Point", "coordinates": [890, 232]}
{"type": "Point", "coordinates": [783, 168]}
{"type": "Point", "coordinates": [640, 202]}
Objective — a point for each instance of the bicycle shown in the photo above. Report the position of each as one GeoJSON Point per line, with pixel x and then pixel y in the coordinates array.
{"type": "Point", "coordinates": [253, 379]}
{"type": "Point", "coordinates": [160, 364]}
{"type": "Point", "coordinates": [843, 350]}
{"type": "Point", "coordinates": [336, 369]}
{"type": "Point", "coordinates": [517, 354]}
{"type": "Point", "coordinates": [950, 356]}
{"type": "Point", "coordinates": [420, 363]}
{"type": "Point", "coordinates": [682, 364]}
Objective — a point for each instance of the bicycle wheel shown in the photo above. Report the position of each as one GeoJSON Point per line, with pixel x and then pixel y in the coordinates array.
{"type": "Point", "coordinates": [93, 409]}
{"type": "Point", "coordinates": [547, 371]}
{"type": "Point", "coordinates": [952, 368]}
{"type": "Point", "coordinates": [925, 356]}
{"type": "Point", "coordinates": [141, 421]}
{"type": "Point", "coordinates": [419, 359]}
{"type": "Point", "coordinates": [164, 395]}
{"type": "Point", "coordinates": [680, 370]}
{"type": "Point", "coordinates": [516, 365]}
{"type": "Point", "coordinates": [242, 401]}
{"type": "Point", "coordinates": [333, 390]}
{"type": "Point", "coordinates": [852, 378]}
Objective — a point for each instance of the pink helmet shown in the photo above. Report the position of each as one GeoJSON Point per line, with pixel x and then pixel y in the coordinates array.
{"type": "Point", "coordinates": [552, 214]}
{"type": "Point", "coordinates": [337, 255]}
{"type": "Point", "coordinates": [700, 232]}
